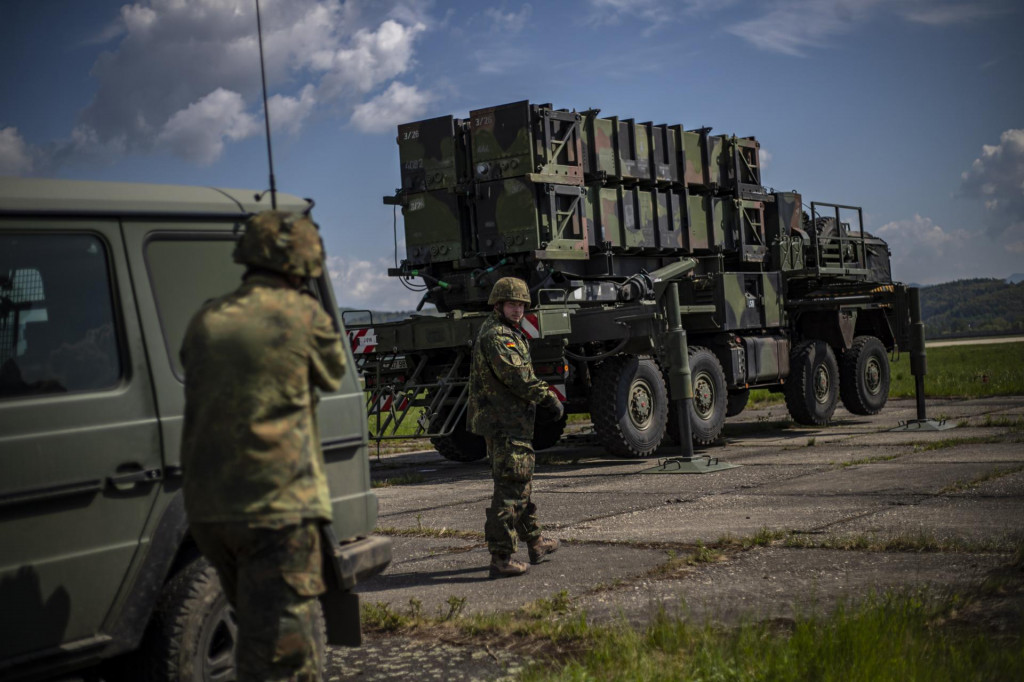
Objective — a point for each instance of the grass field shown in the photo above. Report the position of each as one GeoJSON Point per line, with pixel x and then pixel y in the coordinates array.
{"type": "Point", "coordinates": [968, 371]}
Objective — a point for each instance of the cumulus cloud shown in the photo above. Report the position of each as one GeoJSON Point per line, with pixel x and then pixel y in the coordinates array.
{"type": "Point", "coordinates": [395, 105]}
{"type": "Point", "coordinates": [365, 284]}
{"type": "Point", "coordinates": [172, 65]}
{"type": "Point", "coordinates": [15, 154]}
{"type": "Point", "coordinates": [923, 251]}
{"type": "Point", "coordinates": [374, 57]}
{"type": "Point", "coordinates": [289, 113]}
{"type": "Point", "coordinates": [197, 133]}
{"type": "Point", "coordinates": [996, 178]}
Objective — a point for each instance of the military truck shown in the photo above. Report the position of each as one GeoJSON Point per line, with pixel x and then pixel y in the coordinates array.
{"type": "Point", "coordinates": [97, 284]}
{"type": "Point", "coordinates": [619, 227]}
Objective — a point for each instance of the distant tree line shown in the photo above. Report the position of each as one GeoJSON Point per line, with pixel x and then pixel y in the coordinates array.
{"type": "Point", "coordinates": [973, 307]}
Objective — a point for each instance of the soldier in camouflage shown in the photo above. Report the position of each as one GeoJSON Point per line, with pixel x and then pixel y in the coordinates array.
{"type": "Point", "coordinates": [504, 395]}
{"type": "Point", "coordinates": [254, 483]}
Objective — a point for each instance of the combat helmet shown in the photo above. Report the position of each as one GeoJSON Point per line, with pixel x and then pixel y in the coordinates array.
{"type": "Point", "coordinates": [509, 289]}
{"type": "Point", "coordinates": [288, 243]}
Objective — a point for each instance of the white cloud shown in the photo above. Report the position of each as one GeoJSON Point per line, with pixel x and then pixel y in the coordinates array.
{"type": "Point", "coordinates": [397, 104]}
{"type": "Point", "coordinates": [197, 133]}
{"type": "Point", "coordinates": [996, 178]}
{"type": "Point", "coordinates": [15, 154]}
{"type": "Point", "coordinates": [374, 57]}
{"type": "Point", "coordinates": [764, 158]}
{"type": "Point", "coordinates": [289, 113]}
{"type": "Point", "coordinates": [946, 15]}
{"type": "Point", "coordinates": [793, 26]}
{"type": "Point", "coordinates": [509, 22]}
{"type": "Point", "coordinates": [924, 252]}
{"type": "Point", "coordinates": [166, 57]}
{"type": "Point", "coordinates": [365, 284]}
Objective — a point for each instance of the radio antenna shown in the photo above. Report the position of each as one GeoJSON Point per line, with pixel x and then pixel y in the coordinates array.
{"type": "Point", "coordinates": [266, 110]}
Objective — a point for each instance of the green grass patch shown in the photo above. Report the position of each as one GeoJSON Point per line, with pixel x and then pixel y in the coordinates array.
{"type": "Point", "coordinates": [969, 371]}
{"type": "Point", "coordinates": [893, 637]}
{"type": "Point", "coordinates": [762, 397]}
{"type": "Point", "coordinates": [407, 479]}
{"type": "Point", "coordinates": [990, 476]}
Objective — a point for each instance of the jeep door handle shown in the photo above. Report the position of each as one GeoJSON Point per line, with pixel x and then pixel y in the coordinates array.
{"type": "Point", "coordinates": [128, 480]}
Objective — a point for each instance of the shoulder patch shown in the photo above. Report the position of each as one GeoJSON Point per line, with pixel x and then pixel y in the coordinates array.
{"type": "Point", "coordinates": [510, 344]}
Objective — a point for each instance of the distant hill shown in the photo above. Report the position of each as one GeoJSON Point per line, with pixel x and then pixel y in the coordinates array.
{"type": "Point", "coordinates": [1015, 278]}
{"type": "Point", "coordinates": [971, 307]}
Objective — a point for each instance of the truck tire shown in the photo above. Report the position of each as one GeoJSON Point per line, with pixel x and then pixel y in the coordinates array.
{"type": "Point", "coordinates": [864, 376]}
{"type": "Point", "coordinates": [736, 402]}
{"type": "Point", "coordinates": [707, 411]}
{"type": "Point", "coordinates": [812, 390]}
{"type": "Point", "coordinates": [461, 445]}
{"type": "Point", "coordinates": [192, 635]}
{"type": "Point", "coordinates": [629, 405]}
{"type": "Point", "coordinates": [546, 434]}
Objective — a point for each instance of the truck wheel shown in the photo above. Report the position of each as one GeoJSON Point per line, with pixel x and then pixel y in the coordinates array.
{"type": "Point", "coordinates": [546, 434]}
{"type": "Point", "coordinates": [864, 376]}
{"type": "Point", "coordinates": [707, 411]}
{"type": "Point", "coordinates": [736, 402]}
{"type": "Point", "coordinates": [629, 406]}
{"type": "Point", "coordinates": [193, 635]}
{"type": "Point", "coordinates": [461, 445]}
{"type": "Point", "coordinates": [813, 387]}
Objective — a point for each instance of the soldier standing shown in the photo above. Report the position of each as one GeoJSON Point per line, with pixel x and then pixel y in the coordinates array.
{"type": "Point", "coordinates": [504, 395]}
{"type": "Point", "coordinates": [254, 484]}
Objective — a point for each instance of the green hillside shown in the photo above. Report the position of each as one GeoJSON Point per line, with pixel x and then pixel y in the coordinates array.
{"type": "Point", "coordinates": [970, 307]}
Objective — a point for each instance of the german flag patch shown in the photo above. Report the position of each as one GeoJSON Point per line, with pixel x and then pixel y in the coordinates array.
{"type": "Point", "coordinates": [510, 344]}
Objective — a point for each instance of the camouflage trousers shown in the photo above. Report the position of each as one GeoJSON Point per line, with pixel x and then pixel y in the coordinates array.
{"type": "Point", "coordinates": [272, 576]}
{"type": "Point", "coordinates": [511, 516]}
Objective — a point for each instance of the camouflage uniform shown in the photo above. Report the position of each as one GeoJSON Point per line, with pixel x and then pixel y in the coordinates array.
{"type": "Point", "coordinates": [255, 489]}
{"type": "Point", "coordinates": [503, 395]}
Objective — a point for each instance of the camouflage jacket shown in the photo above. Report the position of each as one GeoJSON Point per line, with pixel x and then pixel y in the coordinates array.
{"type": "Point", "coordinates": [503, 390]}
{"type": "Point", "coordinates": [250, 448]}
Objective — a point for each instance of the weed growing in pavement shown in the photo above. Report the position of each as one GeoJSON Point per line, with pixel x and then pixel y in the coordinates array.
{"type": "Point", "coordinates": [407, 479]}
{"type": "Point", "coordinates": [989, 476]}
{"type": "Point", "coordinates": [1003, 421]}
{"type": "Point", "coordinates": [895, 636]}
{"type": "Point", "coordinates": [811, 441]}
{"type": "Point", "coordinates": [424, 532]}
{"type": "Point", "coordinates": [944, 443]}
{"type": "Point", "coordinates": [917, 542]}
{"type": "Point", "coordinates": [867, 460]}
{"type": "Point", "coordinates": [455, 606]}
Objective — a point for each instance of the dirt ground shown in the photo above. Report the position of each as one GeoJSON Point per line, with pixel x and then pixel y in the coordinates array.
{"type": "Point", "coordinates": [810, 517]}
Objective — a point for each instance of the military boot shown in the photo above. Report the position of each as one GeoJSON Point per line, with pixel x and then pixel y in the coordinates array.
{"type": "Point", "coordinates": [541, 547]}
{"type": "Point", "coordinates": [503, 566]}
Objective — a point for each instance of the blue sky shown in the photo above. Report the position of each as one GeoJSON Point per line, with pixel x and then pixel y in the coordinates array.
{"type": "Point", "coordinates": [912, 109]}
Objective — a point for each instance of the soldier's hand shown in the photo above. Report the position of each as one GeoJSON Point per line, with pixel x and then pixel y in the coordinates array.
{"type": "Point", "coordinates": [550, 409]}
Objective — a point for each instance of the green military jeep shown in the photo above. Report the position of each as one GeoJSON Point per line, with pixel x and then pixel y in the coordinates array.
{"type": "Point", "coordinates": [97, 283]}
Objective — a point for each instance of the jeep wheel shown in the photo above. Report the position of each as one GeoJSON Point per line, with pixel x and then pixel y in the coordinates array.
{"type": "Point", "coordinates": [813, 387]}
{"type": "Point", "coordinates": [864, 376]}
{"type": "Point", "coordinates": [629, 405]}
{"type": "Point", "coordinates": [193, 635]}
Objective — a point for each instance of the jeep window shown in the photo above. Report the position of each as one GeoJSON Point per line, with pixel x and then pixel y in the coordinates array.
{"type": "Point", "coordinates": [184, 274]}
{"type": "Point", "coordinates": [57, 322]}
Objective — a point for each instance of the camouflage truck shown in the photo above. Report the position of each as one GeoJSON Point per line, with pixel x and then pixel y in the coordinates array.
{"type": "Point", "coordinates": [97, 564]}
{"type": "Point", "coordinates": [618, 227]}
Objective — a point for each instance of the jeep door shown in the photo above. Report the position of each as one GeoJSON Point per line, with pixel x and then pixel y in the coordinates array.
{"type": "Point", "coordinates": [79, 440]}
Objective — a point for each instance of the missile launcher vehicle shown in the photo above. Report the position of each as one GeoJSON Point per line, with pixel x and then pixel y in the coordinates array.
{"type": "Point", "coordinates": [619, 228]}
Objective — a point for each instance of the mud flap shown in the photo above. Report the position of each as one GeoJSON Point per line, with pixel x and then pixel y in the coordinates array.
{"type": "Point", "coordinates": [343, 566]}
